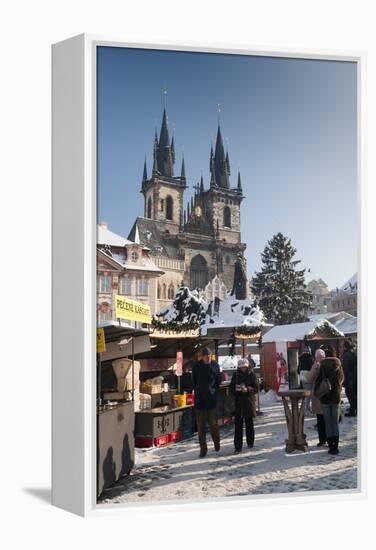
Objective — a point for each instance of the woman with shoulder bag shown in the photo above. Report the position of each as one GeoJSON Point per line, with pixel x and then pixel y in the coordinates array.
{"type": "Point", "coordinates": [244, 388]}
{"type": "Point", "coordinates": [328, 387]}
{"type": "Point", "coordinates": [316, 405]}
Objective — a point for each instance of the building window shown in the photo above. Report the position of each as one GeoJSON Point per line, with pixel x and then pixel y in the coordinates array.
{"type": "Point", "coordinates": [171, 292]}
{"type": "Point", "coordinates": [164, 291]}
{"type": "Point", "coordinates": [159, 291]}
{"type": "Point", "coordinates": [142, 287]}
{"type": "Point", "coordinates": [149, 208]}
{"type": "Point", "coordinates": [162, 205]}
{"type": "Point", "coordinates": [134, 256]}
{"type": "Point", "coordinates": [169, 208]}
{"type": "Point", "coordinates": [126, 286]}
{"type": "Point", "coordinates": [105, 283]}
{"type": "Point", "coordinates": [227, 217]}
{"type": "Point", "coordinates": [104, 316]}
{"type": "Point", "coordinates": [198, 273]}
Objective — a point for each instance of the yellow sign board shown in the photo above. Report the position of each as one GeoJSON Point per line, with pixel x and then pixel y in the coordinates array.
{"type": "Point", "coordinates": [132, 310]}
{"type": "Point", "coordinates": [101, 342]}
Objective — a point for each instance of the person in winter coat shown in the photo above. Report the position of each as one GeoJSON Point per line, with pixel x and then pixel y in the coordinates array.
{"type": "Point", "coordinates": [305, 363]}
{"type": "Point", "coordinates": [206, 379]}
{"type": "Point", "coordinates": [351, 376]}
{"type": "Point", "coordinates": [331, 369]}
{"type": "Point", "coordinates": [244, 387]}
{"type": "Point", "coordinates": [316, 405]}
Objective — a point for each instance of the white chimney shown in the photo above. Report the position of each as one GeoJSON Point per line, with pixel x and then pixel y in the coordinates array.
{"type": "Point", "coordinates": [103, 225]}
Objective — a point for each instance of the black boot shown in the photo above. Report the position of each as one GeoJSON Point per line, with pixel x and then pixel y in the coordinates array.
{"type": "Point", "coordinates": [335, 445]}
{"type": "Point", "coordinates": [330, 441]}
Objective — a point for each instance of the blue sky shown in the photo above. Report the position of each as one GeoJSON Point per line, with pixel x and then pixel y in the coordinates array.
{"type": "Point", "coordinates": [290, 127]}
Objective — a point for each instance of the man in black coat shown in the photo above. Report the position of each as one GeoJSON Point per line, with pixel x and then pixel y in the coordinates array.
{"type": "Point", "coordinates": [244, 387]}
{"type": "Point", "coordinates": [206, 379]}
{"type": "Point", "coordinates": [351, 376]}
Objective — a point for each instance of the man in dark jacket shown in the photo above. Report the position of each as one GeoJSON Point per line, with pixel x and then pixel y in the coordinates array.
{"type": "Point", "coordinates": [206, 379]}
{"type": "Point", "coordinates": [351, 376]}
{"type": "Point", "coordinates": [244, 387]}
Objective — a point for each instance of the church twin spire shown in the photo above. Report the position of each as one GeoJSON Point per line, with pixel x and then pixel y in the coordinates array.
{"type": "Point", "coordinates": [164, 160]}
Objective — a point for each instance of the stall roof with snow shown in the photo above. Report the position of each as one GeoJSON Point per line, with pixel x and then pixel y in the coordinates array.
{"type": "Point", "coordinates": [311, 330]}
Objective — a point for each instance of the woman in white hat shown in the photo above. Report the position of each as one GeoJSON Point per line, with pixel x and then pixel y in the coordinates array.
{"type": "Point", "coordinates": [244, 387]}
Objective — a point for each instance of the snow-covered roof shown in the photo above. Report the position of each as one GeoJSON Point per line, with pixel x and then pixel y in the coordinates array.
{"type": "Point", "coordinates": [105, 236]}
{"type": "Point", "coordinates": [348, 326]}
{"type": "Point", "coordinates": [330, 316]}
{"type": "Point", "coordinates": [297, 331]}
{"type": "Point", "coordinates": [144, 264]}
{"type": "Point", "coordinates": [228, 313]}
{"type": "Point", "coordinates": [351, 284]}
{"type": "Point", "coordinates": [233, 313]}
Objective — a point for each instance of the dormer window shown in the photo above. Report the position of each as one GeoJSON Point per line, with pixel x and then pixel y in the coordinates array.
{"type": "Point", "coordinates": [134, 256]}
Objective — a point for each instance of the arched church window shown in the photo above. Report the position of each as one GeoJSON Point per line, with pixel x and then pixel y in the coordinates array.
{"type": "Point", "coordinates": [159, 291]}
{"type": "Point", "coordinates": [171, 292]}
{"type": "Point", "coordinates": [198, 273]}
{"type": "Point", "coordinates": [169, 208]}
{"type": "Point", "coordinates": [149, 208]}
{"type": "Point", "coordinates": [227, 216]}
{"type": "Point", "coordinates": [163, 291]}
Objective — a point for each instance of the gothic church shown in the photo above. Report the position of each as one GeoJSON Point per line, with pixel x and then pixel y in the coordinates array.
{"type": "Point", "coordinates": [196, 245]}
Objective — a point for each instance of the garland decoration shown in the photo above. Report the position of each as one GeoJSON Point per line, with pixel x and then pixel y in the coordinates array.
{"type": "Point", "coordinates": [175, 326]}
{"type": "Point", "coordinates": [247, 330]}
{"type": "Point", "coordinates": [324, 326]}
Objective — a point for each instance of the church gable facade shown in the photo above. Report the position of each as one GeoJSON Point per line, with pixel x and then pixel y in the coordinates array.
{"type": "Point", "coordinates": [196, 243]}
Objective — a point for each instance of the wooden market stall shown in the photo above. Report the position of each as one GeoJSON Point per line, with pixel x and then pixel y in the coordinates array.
{"type": "Point", "coordinates": [117, 343]}
{"type": "Point", "coordinates": [282, 345]}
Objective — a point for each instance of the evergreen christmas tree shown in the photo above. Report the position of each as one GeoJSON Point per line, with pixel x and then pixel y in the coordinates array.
{"type": "Point", "coordinates": [279, 287]}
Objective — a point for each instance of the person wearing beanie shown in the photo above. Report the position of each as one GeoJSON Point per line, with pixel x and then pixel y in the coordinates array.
{"type": "Point", "coordinates": [244, 387]}
{"type": "Point", "coordinates": [351, 376]}
{"type": "Point", "coordinates": [206, 379]}
{"type": "Point", "coordinates": [316, 405]}
{"type": "Point", "coordinates": [331, 369]}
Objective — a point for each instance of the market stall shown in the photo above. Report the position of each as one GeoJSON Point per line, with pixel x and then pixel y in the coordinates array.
{"type": "Point", "coordinates": [283, 344]}
{"type": "Point", "coordinates": [117, 398]}
{"type": "Point", "coordinates": [166, 404]}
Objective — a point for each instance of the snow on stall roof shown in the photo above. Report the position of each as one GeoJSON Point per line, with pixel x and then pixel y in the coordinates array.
{"type": "Point", "coordinates": [234, 313]}
{"type": "Point", "coordinates": [105, 236]}
{"type": "Point", "coordinates": [348, 326]}
{"type": "Point", "coordinates": [190, 306]}
{"type": "Point", "coordinates": [295, 331]}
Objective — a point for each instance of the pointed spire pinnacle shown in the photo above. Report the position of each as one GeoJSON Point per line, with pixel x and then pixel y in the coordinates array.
{"type": "Point", "coordinates": [220, 162]}
{"type": "Point", "coordinates": [240, 190]}
{"type": "Point", "coordinates": [145, 173]}
{"type": "Point", "coordinates": [188, 212]}
{"type": "Point", "coordinates": [228, 164]}
{"type": "Point", "coordinates": [182, 174]}
{"type": "Point", "coordinates": [185, 218]}
{"type": "Point", "coordinates": [166, 156]}
{"type": "Point", "coordinates": [173, 149]}
{"type": "Point", "coordinates": [201, 184]}
{"type": "Point", "coordinates": [192, 204]}
{"type": "Point", "coordinates": [155, 161]}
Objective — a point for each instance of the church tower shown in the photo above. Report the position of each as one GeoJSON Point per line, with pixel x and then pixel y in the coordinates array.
{"type": "Point", "coordinates": [163, 192]}
{"type": "Point", "coordinates": [224, 200]}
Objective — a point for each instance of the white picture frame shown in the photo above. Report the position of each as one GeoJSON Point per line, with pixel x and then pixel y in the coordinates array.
{"type": "Point", "coordinates": [74, 267]}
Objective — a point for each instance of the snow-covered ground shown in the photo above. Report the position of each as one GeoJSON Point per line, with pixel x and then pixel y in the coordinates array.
{"type": "Point", "coordinates": [176, 472]}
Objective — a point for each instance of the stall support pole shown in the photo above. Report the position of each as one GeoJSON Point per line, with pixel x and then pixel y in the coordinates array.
{"type": "Point", "coordinates": [99, 379]}
{"type": "Point", "coordinates": [132, 368]}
